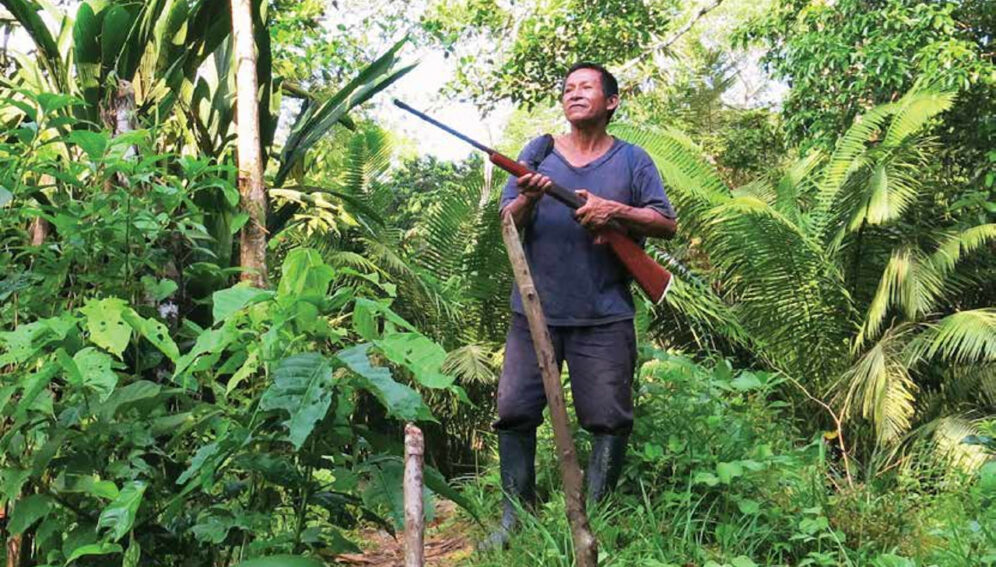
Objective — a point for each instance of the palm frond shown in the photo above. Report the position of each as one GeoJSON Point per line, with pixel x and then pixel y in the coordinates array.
{"type": "Point", "coordinates": [879, 389]}
{"type": "Point", "coordinates": [908, 282]}
{"type": "Point", "coordinates": [846, 157]}
{"type": "Point", "coordinates": [956, 246]}
{"type": "Point", "coordinates": [787, 191]}
{"type": "Point", "coordinates": [912, 114]}
{"type": "Point", "coordinates": [964, 337]}
{"type": "Point", "coordinates": [789, 294]}
{"type": "Point", "coordinates": [470, 364]}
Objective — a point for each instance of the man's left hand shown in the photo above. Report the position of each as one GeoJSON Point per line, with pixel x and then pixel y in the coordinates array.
{"type": "Point", "coordinates": [596, 212]}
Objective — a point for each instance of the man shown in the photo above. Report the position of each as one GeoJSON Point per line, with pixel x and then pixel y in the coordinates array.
{"type": "Point", "coordinates": [583, 288]}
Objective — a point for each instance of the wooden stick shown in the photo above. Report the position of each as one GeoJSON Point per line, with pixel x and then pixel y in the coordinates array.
{"type": "Point", "coordinates": [414, 516]}
{"type": "Point", "coordinates": [585, 545]}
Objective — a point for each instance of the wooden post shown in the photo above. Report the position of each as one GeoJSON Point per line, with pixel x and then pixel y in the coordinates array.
{"type": "Point", "coordinates": [414, 516]}
{"type": "Point", "coordinates": [585, 545]}
{"type": "Point", "coordinates": [252, 242]}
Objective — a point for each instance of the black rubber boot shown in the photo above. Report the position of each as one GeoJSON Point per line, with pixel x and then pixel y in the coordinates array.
{"type": "Point", "coordinates": [517, 461]}
{"type": "Point", "coordinates": [605, 464]}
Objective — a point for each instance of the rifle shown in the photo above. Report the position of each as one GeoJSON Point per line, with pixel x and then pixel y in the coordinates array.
{"type": "Point", "coordinates": [652, 278]}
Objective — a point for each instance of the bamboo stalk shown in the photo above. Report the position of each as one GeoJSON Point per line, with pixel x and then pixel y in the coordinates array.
{"type": "Point", "coordinates": [585, 545]}
{"type": "Point", "coordinates": [414, 516]}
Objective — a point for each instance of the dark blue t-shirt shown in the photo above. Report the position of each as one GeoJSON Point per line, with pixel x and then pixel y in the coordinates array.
{"type": "Point", "coordinates": [578, 282]}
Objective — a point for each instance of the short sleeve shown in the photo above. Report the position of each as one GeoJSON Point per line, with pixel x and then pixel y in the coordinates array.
{"type": "Point", "coordinates": [648, 187]}
{"type": "Point", "coordinates": [510, 192]}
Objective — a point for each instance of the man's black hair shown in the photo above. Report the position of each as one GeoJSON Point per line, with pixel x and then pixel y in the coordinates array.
{"type": "Point", "coordinates": [609, 84]}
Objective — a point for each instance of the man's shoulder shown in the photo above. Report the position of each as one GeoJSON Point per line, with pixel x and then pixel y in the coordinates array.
{"type": "Point", "coordinates": [636, 152]}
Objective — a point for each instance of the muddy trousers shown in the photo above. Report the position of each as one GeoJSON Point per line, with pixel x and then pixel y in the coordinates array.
{"type": "Point", "coordinates": [600, 361]}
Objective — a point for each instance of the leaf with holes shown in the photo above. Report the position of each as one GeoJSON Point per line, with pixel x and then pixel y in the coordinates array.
{"type": "Point", "coordinates": [95, 371]}
{"type": "Point", "coordinates": [107, 327]}
{"type": "Point", "coordinates": [154, 332]}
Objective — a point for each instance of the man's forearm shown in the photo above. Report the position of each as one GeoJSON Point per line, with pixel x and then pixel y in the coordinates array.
{"type": "Point", "coordinates": [644, 221]}
{"type": "Point", "coordinates": [521, 208]}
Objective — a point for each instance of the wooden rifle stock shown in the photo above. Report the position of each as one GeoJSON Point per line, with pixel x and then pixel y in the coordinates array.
{"type": "Point", "coordinates": [652, 278]}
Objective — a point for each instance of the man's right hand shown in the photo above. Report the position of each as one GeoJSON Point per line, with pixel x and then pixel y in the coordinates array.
{"type": "Point", "coordinates": [532, 185]}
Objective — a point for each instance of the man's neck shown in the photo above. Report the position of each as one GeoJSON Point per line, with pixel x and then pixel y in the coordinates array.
{"type": "Point", "coordinates": [585, 139]}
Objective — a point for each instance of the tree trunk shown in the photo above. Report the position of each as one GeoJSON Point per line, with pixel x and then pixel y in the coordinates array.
{"type": "Point", "coordinates": [585, 545]}
{"type": "Point", "coordinates": [252, 240]}
{"type": "Point", "coordinates": [412, 487]}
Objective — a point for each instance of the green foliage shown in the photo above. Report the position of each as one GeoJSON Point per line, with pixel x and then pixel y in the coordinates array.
{"type": "Point", "coordinates": [806, 259]}
{"type": "Point", "coordinates": [152, 418]}
{"type": "Point", "coordinates": [717, 474]}
{"type": "Point", "coordinates": [546, 39]}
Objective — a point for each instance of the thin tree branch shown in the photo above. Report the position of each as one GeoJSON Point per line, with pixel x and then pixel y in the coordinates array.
{"type": "Point", "coordinates": [675, 37]}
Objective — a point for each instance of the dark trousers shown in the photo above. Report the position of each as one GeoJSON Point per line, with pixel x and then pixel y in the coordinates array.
{"type": "Point", "coordinates": [600, 361]}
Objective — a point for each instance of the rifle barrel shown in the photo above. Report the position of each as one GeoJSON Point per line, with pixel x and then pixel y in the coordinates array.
{"type": "Point", "coordinates": [439, 124]}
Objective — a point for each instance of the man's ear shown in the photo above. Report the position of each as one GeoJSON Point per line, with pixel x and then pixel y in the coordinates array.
{"type": "Point", "coordinates": [612, 102]}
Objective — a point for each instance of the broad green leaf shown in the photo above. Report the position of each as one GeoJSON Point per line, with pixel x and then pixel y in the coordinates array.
{"type": "Point", "coordinates": [305, 273]}
{"type": "Point", "coordinates": [5, 394]}
{"type": "Point", "coordinates": [419, 354]}
{"type": "Point", "coordinates": [742, 561]}
{"type": "Point", "coordinates": [34, 385]}
{"type": "Point", "coordinates": [26, 340]}
{"type": "Point", "coordinates": [27, 511]}
{"type": "Point", "coordinates": [746, 382]}
{"type": "Point", "coordinates": [987, 479]}
{"type": "Point", "coordinates": [95, 369]}
{"type": "Point", "coordinates": [228, 301]}
{"type": "Point", "coordinates": [114, 31]}
{"type": "Point", "coordinates": [211, 341]}
{"type": "Point", "coordinates": [120, 514]}
{"type": "Point", "coordinates": [203, 455]}
{"type": "Point", "coordinates": [208, 458]}
{"type": "Point", "coordinates": [706, 478]}
{"type": "Point", "coordinates": [93, 143]}
{"type": "Point", "coordinates": [302, 386]}
{"type": "Point", "coordinates": [11, 482]}
{"type": "Point", "coordinates": [213, 526]}
{"type": "Point", "coordinates": [136, 391]}
{"type": "Point", "coordinates": [248, 368]}
{"type": "Point", "coordinates": [400, 400]}
{"type": "Point", "coordinates": [749, 507]}
{"type": "Point", "coordinates": [158, 290]}
{"type": "Point", "coordinates": [107, 327]}
{"type": "Point", "coordinates": [728, 471]}
{"type": "Point", "coordinates": [282, 561]}
{"type": "Point", "coordinates": [5, 196]}
{"type": "Point", "coordinates": [103, 548]}
{"type": "Point", "coordinates": [154, 332]}
{"type": "Point", "coordinates": [385, 489]}
{"type": "Point", "coordinates": [89, 484]}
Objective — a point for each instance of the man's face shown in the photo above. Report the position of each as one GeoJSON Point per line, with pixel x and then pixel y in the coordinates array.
{"type": "Point", "coordinates": [584, 100]}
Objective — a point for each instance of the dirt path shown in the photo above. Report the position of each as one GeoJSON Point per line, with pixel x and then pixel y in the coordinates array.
{"type": "Point", "coordinates": [447, 543]}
